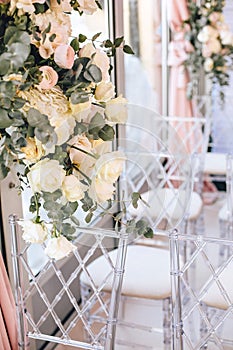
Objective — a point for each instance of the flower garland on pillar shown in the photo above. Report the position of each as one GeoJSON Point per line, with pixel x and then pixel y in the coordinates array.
{"type": "Point", "coordinates": [211, 49]}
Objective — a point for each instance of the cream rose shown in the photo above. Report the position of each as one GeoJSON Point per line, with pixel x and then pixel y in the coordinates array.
{"type": "Point", "coordinates": [72, 188]}
{"type": "Point", "coordinates": [104, 91]}
{"type": "Point", "coordinates": [226, 37]}
{"type": "Point", "coordinates": [34, 150]}
{"type": "Point", "coordinates": [207, 33]}
{"type": "Point", "coordinates": [101, 191]}
{"type": "Point", "coordinates": [80, 111]}
{"type": "Point", "coordinates": [110, 166]}
{"type": "Point", "coordinates": [64, 56]}
{"type": "Point", "coordinates": [82, 143]}
{"type": "Point", "coordinates": [47, 175]}
{"type": "Point", "coordinates": [60, 25]}
{"type": "Point", "coordinates": [208, 65]}
{"type": "Point", "coordinates": [88, 6]}
{"type": "Point", "coordinates": [116, 110]}
{"type": "Point", "coordinates": [64, 128]}
{"type": "Point", "coordinates": [63, 5]}
{"type": "Point", "coordinates": [33, 232]}
{"type": "Point", "coordinates": [49, 77]}
{"type": "Point", "coordinates": [59, 247]}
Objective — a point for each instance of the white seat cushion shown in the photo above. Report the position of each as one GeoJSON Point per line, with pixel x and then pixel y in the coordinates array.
{"type": "Point", "coordinates": [222, 215]}
{"type": "Point", "coordinates": [214, 297]}
{"type": "Point", "coordinates": [147, 272]}
{"type": "Point", "coordinates": [215, 163]}
{"type": "Point", "coordinates": [168, 203]}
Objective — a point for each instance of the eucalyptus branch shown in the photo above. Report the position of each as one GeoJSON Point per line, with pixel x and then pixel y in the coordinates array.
{"type": "Point", "coordinates": [82, 173]}
{"type": "Point", "coordinates": [83, 151]}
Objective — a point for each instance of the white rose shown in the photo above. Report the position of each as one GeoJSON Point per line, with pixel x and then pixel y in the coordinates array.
{"type": "Point", "coordinates": [116, 110]}
{"type": "Point", "coordinates": [82, 143]}
{"type": "Point", "coordinates": [80, 111]}
{"type": "Point", "coordinates": [207, 33]}
{"type": "Point", "coordinates": [214, 46]}
{"type": "Point", "coordinates": [88, 6]}
{"type": "Point", "coordinates": [58, 248]}
{"type": "Point", "coordinates": [32, 232]}
{"type": "Point", "coordinates": [64, 127]}
{"type": "Point", "coordinates": [72, 188]}
{"type": "Point", "coordinates": [109, 166]}
{"type": "Point", "coordinates": [104, 91]}
{"type": "Point", "coordinates": [226, 37]}
{"type": "Point", "coordinates": [208, 64]}
{"type": "Point", "coordinates": [100, 191]}
{"type": "Point", "coordinates": [47, 175]}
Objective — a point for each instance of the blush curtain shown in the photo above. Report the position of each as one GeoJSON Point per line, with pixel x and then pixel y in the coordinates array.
{"type": "Point", "coordinates": [8, 329]}
{"type": "Point", "coordinates": [179, 105]}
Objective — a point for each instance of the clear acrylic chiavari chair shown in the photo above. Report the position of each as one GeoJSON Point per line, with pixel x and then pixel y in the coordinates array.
{"type": "Point", "coordinates": [202, 307]}
{"type": "Point", "coordinates": [161, 172]}
{"type": "Point", "coordinates": [48, 302]}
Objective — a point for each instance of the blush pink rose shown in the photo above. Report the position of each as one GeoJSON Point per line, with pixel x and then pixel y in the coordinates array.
{"type": "Point", "coordinates": [49, 77]}
{"type": "Point", "coordinates": [64, 56]}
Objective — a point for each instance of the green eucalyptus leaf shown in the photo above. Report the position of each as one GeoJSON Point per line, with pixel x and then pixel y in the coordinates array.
{"type": "Point", "coordinates": [77, 97]}
{"type": "Point", "coordinates": [118, 41]}
{"type": "Point", "coordinates": [75, 44]}
{"type": "Point", "coordinates": [5, 63]}
{"type": "Point", "coordinates": [96, 123]}
{"type": "Point", "coordinates": [89, 217]}
{"type": "Point", "coordinates": [67, 229]}
{"type": "Point", "coordinates": [149, 233]}
{"type": "Point", "coordinates": [48, 196]}
{"type": "Point", "coordinates": [128, 49]}
{"type": "Point", "coordinates": [87, 202]}
{"type": "Point", "coordinates": [5, 121]}
{"type": "Point", "coordinates": [93, 74]}
{"type": "Point", "coordinates": [106, 133]}
{"type": "Point", "coordinates": [135, 198]}
{"type": "Point", "coordinates": [9, 34]}
{"type": "Point", "coordinates": [75, 220]}
{"type": "Point", "coordinates": [34, 117]}
{"type": "Point", "coordinates": [96, 36]}
{"type": "Point", "coordinates": [108, 43]}
{"type": "Point", "coordinates": [4, 170]}
{"type": "Point", "coordinates": [82, 38]}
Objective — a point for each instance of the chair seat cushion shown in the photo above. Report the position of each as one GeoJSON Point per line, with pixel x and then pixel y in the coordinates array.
{"type": "Point", "coordinates": [215, 163]}
{"type": "Point", "coordinates": [147, 272]}
{"type": "Point", "coordinates": [222, 215]}
{"type": "Point", "coordinates": [214, 297]}
{"type": "Point", "coordinates": [169, 204]}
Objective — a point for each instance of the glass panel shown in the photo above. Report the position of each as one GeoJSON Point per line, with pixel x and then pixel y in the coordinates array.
{"type": "Point", "coordinates": [142, 30]}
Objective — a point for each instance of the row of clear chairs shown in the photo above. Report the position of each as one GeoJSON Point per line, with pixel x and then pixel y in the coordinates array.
{"type": "Point", "coordinates": [159, 166]}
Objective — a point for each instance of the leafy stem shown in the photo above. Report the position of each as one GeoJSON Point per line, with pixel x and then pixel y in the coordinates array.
{"type": "Point", "coordinates": [82, 173]}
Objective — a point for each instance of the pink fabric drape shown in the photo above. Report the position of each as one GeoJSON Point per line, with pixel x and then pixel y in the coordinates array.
{"type": "Point", "coordinates": [8, 329]}
{"type": "Point", "coordinates": [179, 105]}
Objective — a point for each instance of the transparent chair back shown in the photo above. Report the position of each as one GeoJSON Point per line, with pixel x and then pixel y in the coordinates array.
{"type": "Point", "coordinates": [53, 314]}
{"type": "Point", "coordinates": [202, 297]}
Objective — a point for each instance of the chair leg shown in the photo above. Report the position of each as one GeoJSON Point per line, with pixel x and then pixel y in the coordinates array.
{"type": "Point", "coordinates": [167, 321]}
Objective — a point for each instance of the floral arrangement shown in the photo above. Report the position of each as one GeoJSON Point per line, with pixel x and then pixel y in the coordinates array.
{"type": "Point", "coordinates": [58, 112]}
{"type": "Point", "coordinates": [211, 48]}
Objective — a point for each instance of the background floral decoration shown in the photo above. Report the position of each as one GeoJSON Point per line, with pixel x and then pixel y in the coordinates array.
{"type": "Point", "coordinates": [57, 114]}
{"type": "Point", "coordinates": [210, 48]}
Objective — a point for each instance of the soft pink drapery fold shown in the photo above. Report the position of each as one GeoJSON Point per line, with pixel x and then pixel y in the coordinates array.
{"type": "Point", "coordinates": [179, 105]}
{"type": "Point", "coordinates": [8, 329]}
